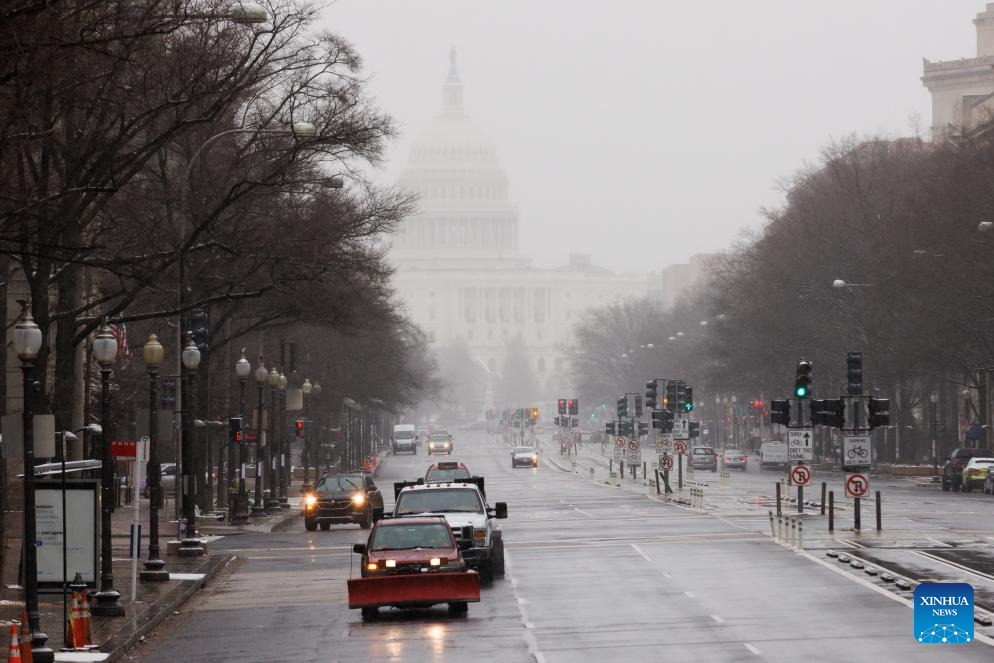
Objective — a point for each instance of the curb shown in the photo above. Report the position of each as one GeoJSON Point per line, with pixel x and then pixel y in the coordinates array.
{"type": "Point", "coordinates": [287, 522]}
{"type": "Point", "coordinates": [119, 645]}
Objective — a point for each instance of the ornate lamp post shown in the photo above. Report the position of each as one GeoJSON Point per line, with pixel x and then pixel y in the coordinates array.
{"type": "Point", "coordinates": [153, 354]}
{"type": "Point", "coordinates": [274, 383]}
{"type": "Point", "coordinates": [240, 513]}
{"type": "Point", "coordinates": [306, 454]}
{"type": "Point", "coordinates": [191, 361]}
{"type": "Point", "coordinates": [105, 351]}
{"type": "Point", "coordinates": [284, 447]}
{"type": "Point", "coordinates": [261, 376]}
{"type": "Point", "coordinates": [27, 343]}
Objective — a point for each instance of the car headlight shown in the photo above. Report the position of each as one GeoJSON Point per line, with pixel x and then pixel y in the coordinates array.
{"type": "Point", "coordinates": [391, 564]}
{"type": "Point", "coordinates": [310, 500]}
{"type": "Point", "coordinates": [534, 458]}
{"type": "Point", "coordinates": [358, 499]}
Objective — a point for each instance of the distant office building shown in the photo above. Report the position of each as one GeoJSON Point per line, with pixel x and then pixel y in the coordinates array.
{"type": "Point", "coordinates": [676, 280]}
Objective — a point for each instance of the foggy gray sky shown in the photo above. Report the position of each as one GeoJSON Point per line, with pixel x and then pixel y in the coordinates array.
{"type": "Point", "coordinates": [643, 132]}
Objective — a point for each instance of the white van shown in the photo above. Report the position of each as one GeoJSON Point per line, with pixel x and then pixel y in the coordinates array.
{"type": "Point", "coordinates": [773, 453]}
{"type": "Point", "coordinates": [404, 439]}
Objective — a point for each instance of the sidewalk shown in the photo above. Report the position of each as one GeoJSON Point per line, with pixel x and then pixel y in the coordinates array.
{"type": "Point", "coordinates": [153, 600]}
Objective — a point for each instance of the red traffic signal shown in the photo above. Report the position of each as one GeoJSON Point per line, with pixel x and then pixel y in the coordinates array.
{"type": "Point", "coordinates": [757, 405]}
{"type": "Point", "coordinates": [299, 427]}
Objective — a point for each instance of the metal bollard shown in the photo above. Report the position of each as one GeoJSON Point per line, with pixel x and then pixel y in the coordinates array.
{"type": "Point", "coordinates": [610, 465]}
{"type": "Point", "coordinates": [634, 470]}
{"type": "Point", "coordinates": [779, 527]}
{"type": "Point", "coordinates": [643, 470]}
{"type": "Point", "coordinates": [779, 509]}
{"type": "Point", "coordinates": [793, 531]}
{"type": "Point", "coordinates": [800, 535]}
{"type": "Point", "coordinates": [824, 487]}
{"type": "Point", "coordinates": [831, 511]}
{"type": "Point", "coordinates": [879, 519]}
{"type": "Point", "coordinates": [773, 529]}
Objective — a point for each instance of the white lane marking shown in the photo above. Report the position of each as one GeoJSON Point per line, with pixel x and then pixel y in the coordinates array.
{"type": "Point", "coordinates": [528, 635]}
{"type": "Point", "coordinates": [639, 551]}
{"type": "Point", "coordinates": [961, 567]}
{"type": "Point", "coordinates": [752, 648]}
{"type": "Point", "coordinates": [689, 595]}
{"type": "Point", "coordinates": [718, 619]}
{"type": "Point", "coordinates": [936, 541]}
{"type": "Point", "coordinates": [666, 575]}
{"type": "Point", "coordinates": [587, 514]}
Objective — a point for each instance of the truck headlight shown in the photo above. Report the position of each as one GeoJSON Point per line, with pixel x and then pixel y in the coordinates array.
{"type": "Point", "coordinates": [371, 566]}
{"type": "Point", "coordinates": [358, 499]}
{"type": "Point", "coordinates": [310, 500]}
{"type": "Point", "coordinates": [391, 564]}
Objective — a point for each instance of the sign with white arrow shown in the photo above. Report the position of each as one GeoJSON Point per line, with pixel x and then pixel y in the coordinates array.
{"type": "Point", "coordinates": [800, 444]}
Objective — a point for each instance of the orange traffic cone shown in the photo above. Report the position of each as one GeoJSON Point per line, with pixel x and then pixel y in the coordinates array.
{"type": "Point", "coordinates": [72, 630]}
{"type": "Point", "coordinates": [25, 639]}
{"type": "Point", "coordinates": [14, 653]}
{"type": "Point", "coordinates": [85, 637]}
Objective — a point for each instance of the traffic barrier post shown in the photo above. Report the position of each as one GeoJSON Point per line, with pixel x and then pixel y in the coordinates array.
{"type": "Point", "coordinates": [779, 510]}
{"type": "Point", "coordinates": [643, 470]}
{"type": "Point", "coordinates": [831, 511]}
{"type": "Point", "coordinates": [800, 535]}
{"type": "Point", "coordinates": [856, 523]}
{"type": "Point", "coordinates": [773, 529]}
{"type": "Point", "coordinates": [879, 522]}
{"type": "Point", "coordinates": [824, 487]}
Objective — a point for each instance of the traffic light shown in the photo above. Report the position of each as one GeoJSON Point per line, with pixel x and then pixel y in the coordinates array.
{"type": "Point", "coordinates": [668, 419]}
{"type": "Point", "coordinates": [695, 429]}
{"type": "Point", "coordinates": [610, 429]}
{"type": "Point", "coordinates": [622, 407]}
{"type": "Point", "coordinates": [802, 383]}
{"type": "Point", "coordinates": [854, 373]}
{"type": "Point", "coordinates": [235, 429]}
{"type": "Point", "coordinates": [828, 412]}
{"type": "Point", "coordinates": [688, 399]}
{"type": "Point", "coordinates": [643, 428]}
{"type": "Point", "coordinates": [669, 403]}
{"type": "Point", "coordinates": [298, 427]}
{"type": "Point", "coordinates": [562, 406]}
{"type": "Point", "coordinates": [780, 412]}
{"type": "Point", "coordinates": [573, 407]}
{"type": "Point", "coordinates": [638, 405]}
{"type": "Point", "coordinates": [879, 410]}
{"type": "Point", "coordinates": [651, 394]}
{"type": "Point", "coordinates": [200, 326]}
{"type": "Point", "coordinates": [534, 414]}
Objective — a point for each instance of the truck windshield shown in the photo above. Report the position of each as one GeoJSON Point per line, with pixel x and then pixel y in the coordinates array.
{"type": "Point", "coordinates": [403, 434]}
{"type": "Point", "coordinates": [409, 537]}
{"type": "Point", "coordinates": [441, 476]}
{"type": "Point", "coordinates": [439, 501]}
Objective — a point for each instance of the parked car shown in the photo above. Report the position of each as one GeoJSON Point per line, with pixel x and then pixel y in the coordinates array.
{"type": "Point", "coordinates": [736, 458]}
{"type": "Point", "coordinates": [703, 458]}
{"type": "Point", "coordinates": [952, 471]}
{"type": "Point", "coordinates": [975, 473]}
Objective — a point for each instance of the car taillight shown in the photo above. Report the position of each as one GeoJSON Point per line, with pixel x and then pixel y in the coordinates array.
{"type": "Point", "coordinates": [744, 458]}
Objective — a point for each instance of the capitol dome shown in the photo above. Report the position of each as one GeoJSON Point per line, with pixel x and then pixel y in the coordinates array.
{"type": "Point", "coordinates": [464, 208]}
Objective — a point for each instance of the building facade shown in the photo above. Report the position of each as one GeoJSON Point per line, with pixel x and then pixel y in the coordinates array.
{"type": "Point", "coordinates": [460, 270]}
{"type": "Point", "coordinates": [963, 90]}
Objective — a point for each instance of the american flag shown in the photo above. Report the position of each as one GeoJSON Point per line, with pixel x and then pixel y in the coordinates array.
{"type": "Point", "coordinates": [120, 333]}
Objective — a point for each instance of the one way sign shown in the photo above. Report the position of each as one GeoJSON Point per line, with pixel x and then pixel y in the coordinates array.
{"type": "Point", "coordinates": [799, 444]}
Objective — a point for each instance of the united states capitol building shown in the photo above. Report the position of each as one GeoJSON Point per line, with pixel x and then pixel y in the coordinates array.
{"type": "Point", "coordinates": [460, 269]}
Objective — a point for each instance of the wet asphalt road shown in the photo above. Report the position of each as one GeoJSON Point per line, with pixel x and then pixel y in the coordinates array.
{"type": "Point", "coordinates": [594, 569]}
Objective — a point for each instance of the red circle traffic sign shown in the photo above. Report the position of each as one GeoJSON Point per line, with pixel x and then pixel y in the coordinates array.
{"type": "Point", "coordinates": [680, 447]}
{"type": "Point", "coordinates": [857, 485]}
{"type": "Point", "coordinates": [633, 444]}
{"type": "Point", "coordinates": [666, 463]}
{"type": "Point", "coordinates": [800, 475]}
{"type": "Point", "coordinates": [620, 443]}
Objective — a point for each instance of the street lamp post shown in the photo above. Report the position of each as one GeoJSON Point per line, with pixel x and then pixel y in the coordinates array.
{"type": "Point", "coordinates": [105, 351]}
{"type": "Point", "coordinates": [153, 354]}
{"type": "Point", "coordinates": [27, 343]}
{"type": "Point", "coordinates": [316, 444]}
{"type": "Point", "coordinates": [933, 403]}
{"type": "Point", "coordinates": [274, 383]}
{"type": "Point", "coordinates": [306, 452]}
{"type": "Point", "coordinates": [190, 544]}
{"type": "Point", "coordinates": [261, 375]}
{"type": "Point", "coordinates": [240, 512]}
{"type": "Point", "coordinates": [284, 447]}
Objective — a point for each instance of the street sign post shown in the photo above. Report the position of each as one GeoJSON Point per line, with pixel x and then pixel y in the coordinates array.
{"type": "Point", "coordinates": [857, 485]}
{"type": "Point", "coordinates": [664, 444]}
{"type": "Point", "coordinates": [634, 451]}
{"type": "Point", "coordinates": [666, 462]}
{"type": "Point", "coordinates": [620, 449]}
{"type": "Point", "coordinates": [856, 451]}
{"type": "Point", "coordinates": [680, 447]}
{"type": "Point", "coordinates": [801, 475]}
{"type": "Point", "coordinates": [681, 428]}
{"type": "Point", "coordinates": [799, 444]}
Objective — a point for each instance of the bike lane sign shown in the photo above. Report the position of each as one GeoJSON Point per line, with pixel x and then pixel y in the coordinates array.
{"type": "Point", "coordinates": [856, 451]}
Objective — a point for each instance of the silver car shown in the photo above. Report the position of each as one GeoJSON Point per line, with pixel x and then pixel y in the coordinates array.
{"type": "Point", "coordinates": [734, 458]}
{"type": "Point", "coordinates": [524, 456]}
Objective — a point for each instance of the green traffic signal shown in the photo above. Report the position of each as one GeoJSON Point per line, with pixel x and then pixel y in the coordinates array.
{"type": "Point", "coordinates": [688, 406]}
{"type": "Point", "coordinates": [801, 391]}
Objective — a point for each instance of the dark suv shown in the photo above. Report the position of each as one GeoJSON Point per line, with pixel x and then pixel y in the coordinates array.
{"type": "Point", "coordinates": [952, 471]}
{"type": "Point", "coordinates": [342, 498]}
